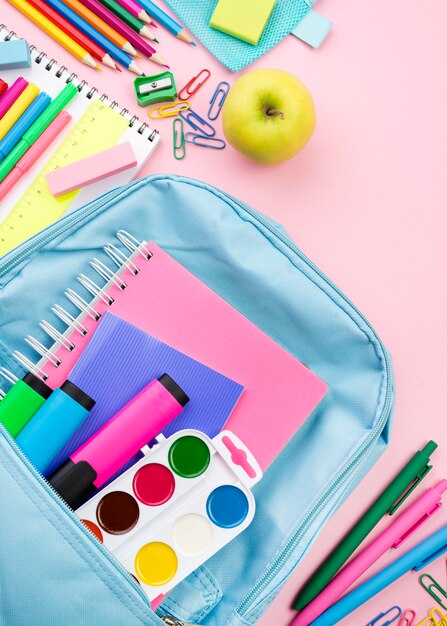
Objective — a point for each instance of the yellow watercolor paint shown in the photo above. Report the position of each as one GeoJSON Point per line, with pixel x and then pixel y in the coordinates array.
{"type": "Point", "coordinates": [156, 564]}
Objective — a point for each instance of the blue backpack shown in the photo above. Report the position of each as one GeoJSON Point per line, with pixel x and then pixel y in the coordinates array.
{"type": "Point", "coordinates": [54, 573]}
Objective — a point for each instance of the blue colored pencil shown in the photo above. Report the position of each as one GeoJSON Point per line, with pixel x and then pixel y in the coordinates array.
{"type": "Point", "coordinates": [91, 32]}
{"type": "Point", "coordinates": [12, 138]}
{"type": "Point", "coordinates": [165, 20]}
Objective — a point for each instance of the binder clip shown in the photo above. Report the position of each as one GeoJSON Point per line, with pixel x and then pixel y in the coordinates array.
{"type": "Point", "coordinates": [221, 92]}
{"type": "Point", "coordinates": [194, 85]}
{"type": "Point", "coordinates": [168, 110]}
{"type": "Point", "coordinates": [157, 88]}
{"type": "Point", "coordinates": [387, 617]}
{"type": "Point", "coordinates": [204, 141]}
{"type": "Point", "coordinates": [408, 618]}
{"type": "Point", "coordinates": [178, 139]}
{"type": "Point", "coordinates": [432, 587]}
{"type": "Point", "coordinates": [197, 123]}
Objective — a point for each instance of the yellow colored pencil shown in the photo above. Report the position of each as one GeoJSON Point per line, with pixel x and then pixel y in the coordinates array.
{"type": "Point", "coordinates": [56, 33]}
{"type": "Point", "coordinates": [19, 107]}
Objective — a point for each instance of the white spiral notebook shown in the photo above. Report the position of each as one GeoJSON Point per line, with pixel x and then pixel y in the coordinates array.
{"type": "Point", "coordinates": [97, 122]}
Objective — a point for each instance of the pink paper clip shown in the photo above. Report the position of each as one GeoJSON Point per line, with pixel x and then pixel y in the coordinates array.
{"type": "Point", "coordinates": [408, 618]}
{"type": "Point", "coordinates": [194, 85]}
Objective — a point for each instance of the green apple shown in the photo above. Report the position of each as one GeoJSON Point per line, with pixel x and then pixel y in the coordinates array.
{"type": "Point", "coordinates": [268, 115]}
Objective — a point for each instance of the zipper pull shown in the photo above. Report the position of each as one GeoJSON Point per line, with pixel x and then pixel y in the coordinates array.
{"type": "Point", "coordinates": [172, 621]}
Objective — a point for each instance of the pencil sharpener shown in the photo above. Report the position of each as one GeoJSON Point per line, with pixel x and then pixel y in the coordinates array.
{"type": "Point", "coordinates": [153, 89]}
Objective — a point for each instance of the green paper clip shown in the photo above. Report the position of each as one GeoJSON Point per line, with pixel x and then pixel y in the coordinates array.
{"type": "Point", "coordinates": [153, 89]}
{"type": "Point", "coordinates": [178, 139]}
{"type": "Point", "coordinates": [432, 587]}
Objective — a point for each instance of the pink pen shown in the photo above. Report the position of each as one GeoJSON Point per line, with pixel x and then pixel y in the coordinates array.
{"type": "Point", "coordinates": [393, 536]}
{"type": "Point", "coordinates": [32, 155]}
{"type": "Point", "coordinates": [11, 95]}
{"type": "Point", "coordinates": [101, 456]}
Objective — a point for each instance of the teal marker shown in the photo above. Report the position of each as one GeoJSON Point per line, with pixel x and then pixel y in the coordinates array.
{"type": "Point", "coordinates": [35, 131]}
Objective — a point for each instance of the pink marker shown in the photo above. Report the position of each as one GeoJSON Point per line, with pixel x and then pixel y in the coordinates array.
{"type": "Point", "coordinates": [101, 456]}
{"type": "Point", "coordinates": [91, 169]}
{"type": "Point", "coordinates": [46, 139]}
{"type": "Point", "coordinates": [393, 536]}
{"type": "Point", "coordinates": [11, 95]}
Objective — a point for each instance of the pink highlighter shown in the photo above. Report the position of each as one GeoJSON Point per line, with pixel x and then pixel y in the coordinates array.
{"type": "Point", "coordinates": [101, 456]}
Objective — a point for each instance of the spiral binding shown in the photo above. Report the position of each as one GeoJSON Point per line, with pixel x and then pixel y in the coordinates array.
{"type": "Point", "coordinates": [138, 254]}
{"type": "Point", "coordinates": [9, 377]}
{"type": "Point", "coordinates": [40, 56]}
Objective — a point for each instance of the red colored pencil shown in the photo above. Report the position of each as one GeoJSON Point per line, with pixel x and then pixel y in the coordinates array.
{"type": "Point", "coordinates": [3, 87]}
{"type": "Point", "coordinates": [96, 51]}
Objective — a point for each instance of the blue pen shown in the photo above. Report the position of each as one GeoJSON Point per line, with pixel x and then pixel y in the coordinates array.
{"type": "Point", "coordinates": [91, 32]}
{"type": "Point", "coordinates": [12, 138]}
{"type": "Point", "coordinates": [416, 559]}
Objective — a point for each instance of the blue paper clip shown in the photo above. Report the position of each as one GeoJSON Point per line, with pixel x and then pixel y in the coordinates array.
{"type": "Point", "coordinates": [432, 587]}
{"type": "Point", "coordinates": [389, 616]}
{"type": "Point", "coordinates": [197, 123]}
{"type": "Point", "coordinates": [408, 618]}
{"type": "Point", "coordinates": [178, 139]}
{"type": "Point", "coordinates": [222, 90]}
{"type": "Point", "coordinates": [205, 141]}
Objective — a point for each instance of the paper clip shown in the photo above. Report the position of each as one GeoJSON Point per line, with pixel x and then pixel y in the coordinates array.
{"type": "Point", "coordinates": [205, 141]}
{"type": "Point", "coordinates": [408, 618]}
{"type": "Point", "coordinates": [194, 84]}
{"type": "Point", "coordinates": [168, 110]}
{"type": "Point", "coordinates": [222, 90]}
{"type": "Point", "coordinates": [434, 618]}
{"type": "Point", "coordinates": [432, 587]}
{"type": "Point", "coordinates": [390, 616]}
{"type": "Point", "coordinates": [197, 123]}
{"type": "Point", "coordinates": [178, 139]}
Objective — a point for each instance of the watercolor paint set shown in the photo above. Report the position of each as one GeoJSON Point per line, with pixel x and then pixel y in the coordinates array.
{"type": "Point", "coordinates": [174, 509]}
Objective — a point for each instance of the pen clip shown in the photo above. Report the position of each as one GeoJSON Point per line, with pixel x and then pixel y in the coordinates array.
{"type": "Point", "coordinates": [432, 557]}
{"type": "Point", "coordinates": [392, 615]}
{"type": "Point", "coordinates": [409, 490]}
{"type": "Point", "coordinates": [417, 525]}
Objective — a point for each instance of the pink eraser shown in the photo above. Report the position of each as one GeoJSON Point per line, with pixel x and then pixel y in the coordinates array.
{"type": "Point", "coordinates": [91, 169]}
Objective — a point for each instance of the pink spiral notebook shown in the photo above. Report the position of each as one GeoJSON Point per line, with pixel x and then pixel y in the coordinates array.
{"type": "Point", "coordinates": [167, 301]}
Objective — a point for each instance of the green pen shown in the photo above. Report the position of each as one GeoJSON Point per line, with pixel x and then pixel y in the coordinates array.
{"type": "Point", "coordinates": [388, 502]}
{"type": "Point", "coordinates": [35, 130]}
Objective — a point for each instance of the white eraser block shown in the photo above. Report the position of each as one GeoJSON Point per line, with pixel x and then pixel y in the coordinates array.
{"type": "Point", "coordinates": [91, 169]}
{"type": "Point", "coordinates": [14, 55]}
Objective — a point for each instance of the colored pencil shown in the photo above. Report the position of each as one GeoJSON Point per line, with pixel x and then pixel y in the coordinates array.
{"type": "Point", "coordinates": [140, 44]}
{"type": "Point", "coordinates": [77, 21]}
{"type": "Point", "coordinates": [166, 20]}
{"type": "Point", "coordinates": [101, 25]}
{"type": "Point", "coordinates": [96, 51]}
{"type": "Point", "coordinates": [135, 24]}
{"type": "Point", "coordinates": [136, 10]}
{"type": "Point", "coordinates": [56, 33]}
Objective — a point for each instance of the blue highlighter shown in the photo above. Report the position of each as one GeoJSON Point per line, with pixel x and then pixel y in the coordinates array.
{"type": "Point", "coordinates": [54, 424]}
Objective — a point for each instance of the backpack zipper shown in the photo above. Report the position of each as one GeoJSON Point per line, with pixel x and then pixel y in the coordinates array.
{"type": "Point", "coordinates": [77, 216]}
{"type": "Point", "coordinates": [172, 621]}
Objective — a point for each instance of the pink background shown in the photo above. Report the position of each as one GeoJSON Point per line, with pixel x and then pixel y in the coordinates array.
{"type": "Point", "coordinates": [364, 200]}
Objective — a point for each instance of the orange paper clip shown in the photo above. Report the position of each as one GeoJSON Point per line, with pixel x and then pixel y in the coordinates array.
{"type": "Point", "coordinates": [194, 85]}
{"type": "Point", "coordinates": [168, 110]}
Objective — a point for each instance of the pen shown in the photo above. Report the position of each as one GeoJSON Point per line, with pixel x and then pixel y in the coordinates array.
{"type": "Point", "coordinates": [8, 98]}
{"type": "Point", "coordinates": [12, 138]}
{"type": "Point", "coordinates": [388, 502]}
{"type": "Point", "coordinates": [34, 132]}
{"type": "Point", "coordinates": [19, 107]}
{"type": "Point", "coordinates": [393, 536]}
{"type": "Point", "coordinates": [416, 559]}
{"type": "Point", "coordinates": [32, 155]}
{"type": "Point", "coordinates": [3, 87]}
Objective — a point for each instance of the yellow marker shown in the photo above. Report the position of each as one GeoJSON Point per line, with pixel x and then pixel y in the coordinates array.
{"type": "Point", "coordinates": [156, 564]}
{"type": "Point", "coordinates": [56, 33]}
{"type": "Point", "coordinates": [28, 95]}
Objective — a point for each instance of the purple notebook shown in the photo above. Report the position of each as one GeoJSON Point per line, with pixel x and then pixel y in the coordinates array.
{"type": "Point", "coordinates": [121, 359]}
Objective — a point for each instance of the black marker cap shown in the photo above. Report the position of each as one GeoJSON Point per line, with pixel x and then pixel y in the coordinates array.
{"type": "Point", "coordinates": [37, 385]}
{"type": "Point", "coordinates": [74, 482]}
{"type": "Point", "coordinates": [174, 389]}
{"type": "Point", "coordinates": [78, 395]}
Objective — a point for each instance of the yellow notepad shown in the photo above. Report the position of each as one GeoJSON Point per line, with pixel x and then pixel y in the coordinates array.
{"type": "Point", "coordinates": [243, 19]}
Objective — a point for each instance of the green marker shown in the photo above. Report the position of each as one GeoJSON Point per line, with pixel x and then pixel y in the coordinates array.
{"type": "Point", "coordinates": [21, 402]}
{"type": "Point", "coordinates": [388, 502]}
{"type": "Point", "coordinates": [35, 130]}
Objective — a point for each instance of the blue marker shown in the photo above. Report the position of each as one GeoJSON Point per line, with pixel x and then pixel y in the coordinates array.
{"type": "Point", "coordinates": [424, 553]}
{"type": "Point", "coordinates": [12, 138]}
{"type": "Point", "coordinates": [54, 424]}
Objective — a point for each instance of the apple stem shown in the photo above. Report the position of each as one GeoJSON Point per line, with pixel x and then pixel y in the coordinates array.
{"type": "Point", "coordinates": [272, 112]}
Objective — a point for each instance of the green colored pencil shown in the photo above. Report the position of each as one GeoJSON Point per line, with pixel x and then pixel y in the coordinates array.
{"type": "Point", "coordinates": [125, 16]}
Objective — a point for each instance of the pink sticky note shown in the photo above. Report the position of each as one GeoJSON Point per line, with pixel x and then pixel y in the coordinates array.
{"type": "Point", "coordinates": [91, 169]}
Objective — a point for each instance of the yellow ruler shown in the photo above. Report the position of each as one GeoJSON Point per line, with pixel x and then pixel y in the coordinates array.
{"type": "Point", "coordinates": [98, 129]}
